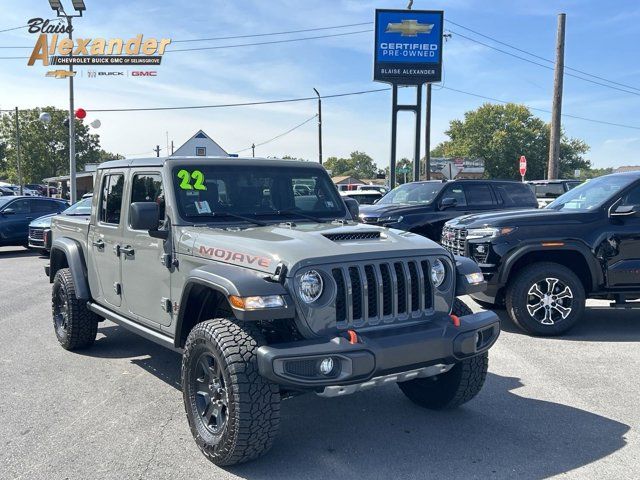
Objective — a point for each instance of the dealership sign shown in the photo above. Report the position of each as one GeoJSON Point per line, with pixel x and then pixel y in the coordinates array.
{"type": "Point", "coordinates": [408, 46]}
{"type": "Point", "coordinates": [52, 47]}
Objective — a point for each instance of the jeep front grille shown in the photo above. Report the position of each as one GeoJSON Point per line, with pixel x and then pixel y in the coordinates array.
{"type": "Point", "coordinates": [381, 292]}
{"type": "Point", "coordinates": [454, 240]}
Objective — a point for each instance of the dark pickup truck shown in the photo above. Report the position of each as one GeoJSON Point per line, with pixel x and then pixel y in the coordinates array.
{"type": "Point", "coordinates": [543, 263]}
{"type": "Point", "coordinates": [424, 207]}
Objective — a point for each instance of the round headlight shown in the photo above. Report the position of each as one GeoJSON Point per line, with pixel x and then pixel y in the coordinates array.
{"type": "Point", "coordinates": [438, 272]}
{"type": "Point", "coordinates": [310, 287]}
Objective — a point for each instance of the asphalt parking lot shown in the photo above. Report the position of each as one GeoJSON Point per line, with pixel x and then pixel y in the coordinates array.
{"type": "Point", "coordinates": [565, 407]}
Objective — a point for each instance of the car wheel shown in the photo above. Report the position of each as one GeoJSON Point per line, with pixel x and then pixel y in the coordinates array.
{"type": "Point", "coordinates": [233, 411]}
{"type": "Point", "coordinates": [75, 325]}
{"type": "Point", "coordinates": [545, 299]}
{"type": "Point", "coordinates": [454, 387]}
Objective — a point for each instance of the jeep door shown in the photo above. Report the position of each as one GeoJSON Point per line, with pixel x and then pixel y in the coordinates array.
{"type": "Point", "coordinates": [104, 240]}
{"type": "Point", "coordinates": [145, 279]}
{"type": "Point", "coordinates": [623, 266]}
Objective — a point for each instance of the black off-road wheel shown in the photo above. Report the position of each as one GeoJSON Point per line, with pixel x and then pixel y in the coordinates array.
{"type": "Point", "coordinates": [545, 299]}
{"type": "Point", "coordinates": [75, 325]}
{"type": "Point", "coordinates": [233, 411]}
{"type": "Point", "coordinates": [455, 387]}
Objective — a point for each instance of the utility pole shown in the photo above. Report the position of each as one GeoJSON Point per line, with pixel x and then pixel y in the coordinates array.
{"type": "Point", "coordinates": [18, 151]}
{"type": "Point", "coordinates": [157, 150]}
{"type": "Point", "coordinates": [427, 135]}
{"type": "Point", "coordinates": [253, 150]}
{"type": "Point", "coordinates": [72, 129]}
{"type": "Point", "coordinates": [319, 126]}
{"type": "Point", "coordinates": [556, 119]}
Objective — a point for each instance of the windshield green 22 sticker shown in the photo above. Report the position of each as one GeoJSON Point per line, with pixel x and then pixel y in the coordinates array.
{"type": "Point", "coordinates": [185, 180]}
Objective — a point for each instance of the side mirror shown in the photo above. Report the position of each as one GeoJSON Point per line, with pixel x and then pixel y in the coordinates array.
{"type": "Point", "coordinates": [626, 211]}
{"type": "Point", "coordinates": [353, 207]}
{"type": "Point", "coordinates": [144, 216]}
{"type": "Point", "coordinates": [448, 202]}
{"type": "Point", "coordinates": [8, 211]}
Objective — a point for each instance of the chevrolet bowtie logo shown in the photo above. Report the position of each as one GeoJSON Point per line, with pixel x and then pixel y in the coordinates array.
{"type": "Point", "coordinates": [60, 73]}
{"type": "Point", "coordinates": [409, 28]}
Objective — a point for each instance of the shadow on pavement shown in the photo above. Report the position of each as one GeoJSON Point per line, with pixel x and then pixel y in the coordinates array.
{"type": "Point", "coordinates": [381, 434]}
{"type": "Point", "coordinates": [17, 252]}
{"type": "Point", "coordinates": [599, 324]}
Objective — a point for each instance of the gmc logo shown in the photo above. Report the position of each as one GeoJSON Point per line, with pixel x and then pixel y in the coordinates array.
{"type": "Point", "coordinates": [144, 73]}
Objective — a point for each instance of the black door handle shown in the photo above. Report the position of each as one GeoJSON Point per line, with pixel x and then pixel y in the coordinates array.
{"type": "Point", "coordinates": [128, 250]}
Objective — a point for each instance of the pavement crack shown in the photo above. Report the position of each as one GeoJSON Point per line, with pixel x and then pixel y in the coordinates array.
{"type": "Point", "coordinates": [156, 445]}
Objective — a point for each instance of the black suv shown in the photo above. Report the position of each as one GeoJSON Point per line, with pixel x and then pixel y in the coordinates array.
{"type": "Point", "coordinates": [547, 191]}
{"type": "Point", "coordinates": [424, 207]}
{"type": "Point", "coordinates": [543, 263]}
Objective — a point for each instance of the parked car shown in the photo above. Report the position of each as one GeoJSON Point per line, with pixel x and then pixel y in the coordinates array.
{"type": "Point", "coordinates": [265, 294]}
{"type": "Point", "coordinates": [363, 197]}
{"type": "Point", "coordinates": [424, 207]}
{"type": "Point", "coordinates": [40, 228]}
{"type": "Point", "coordinates": [547, 191]}
{"type": "Point", "coordinates": [543, 263]}
{"type": "Point", "coordinates": [17, 212]}
{"type": "Point", "coordinates": [41, 189]}
{"type": "Point", "coordinates": [6, 192]}
{"type": "Point", "coordinates": [380, 188]}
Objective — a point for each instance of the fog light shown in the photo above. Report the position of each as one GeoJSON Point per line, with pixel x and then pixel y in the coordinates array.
{"type": "Point", "coordinates": [326, 366]}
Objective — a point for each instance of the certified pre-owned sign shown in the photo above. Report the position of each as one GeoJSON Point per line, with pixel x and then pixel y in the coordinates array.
{"type": "Point", "coordinates": [408, 48]}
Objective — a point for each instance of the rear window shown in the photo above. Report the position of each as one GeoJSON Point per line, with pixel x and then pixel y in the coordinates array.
{"type": "Point", "coordinates": [548, 190]}
{"type": "Point", "coordinates": [516, 194]}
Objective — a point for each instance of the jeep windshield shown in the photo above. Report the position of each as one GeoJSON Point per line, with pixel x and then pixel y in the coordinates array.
{"type": "Point", "coordinates": [412, 193]}
{"type": "Point", "coordinates": [224, 193]}
{"type": "Point", "coordinates": [591, 194]}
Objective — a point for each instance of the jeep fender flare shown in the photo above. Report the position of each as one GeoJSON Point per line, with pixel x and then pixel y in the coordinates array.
{"type": "Point", "coordinates": [597, 277]}
{"type": "Point", "coordinates": [233, 280]}
{"type": "Point", "coordinates": [71, 251]}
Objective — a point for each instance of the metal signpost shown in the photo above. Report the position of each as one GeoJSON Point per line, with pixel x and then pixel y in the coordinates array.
{"type": "Point", "coordinates": [523, 166]}
{"type": "Point", "coordinates": [407, 52]}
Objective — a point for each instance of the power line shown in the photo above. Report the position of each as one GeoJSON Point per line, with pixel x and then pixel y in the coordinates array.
{"type": "Point", "coordinates": [242, 104]}
{"type": "Point", "coordinates": [277, 136]}
{"type": "Point", "coordinates": [548, 67]}
{"type": "Point", "coordinates": [582, 72]}
{"type": "Point", "coordinates": [13, 28]}
{"type": "Point", "coordinates": [272, 33]}
{"type": "Point", "coordinates": [217, 47]}
{"type": "Point", "coordinates": [269, 42]}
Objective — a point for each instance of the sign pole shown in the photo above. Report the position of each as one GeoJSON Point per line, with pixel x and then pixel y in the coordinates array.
{"type": "Point", "coordinates": [427, 134]}
{"type": "Point", "coordinates": [416, 154]}
{"type": "Point", "coordinates": [394, 132]}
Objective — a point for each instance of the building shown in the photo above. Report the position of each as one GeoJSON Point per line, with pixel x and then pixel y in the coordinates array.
{"type": "Point", "coordinates": [627, 168]}
{"type": "Point", "coordinates": [84, 181]}
{"type": "Point", "coordinates": [200, 145]}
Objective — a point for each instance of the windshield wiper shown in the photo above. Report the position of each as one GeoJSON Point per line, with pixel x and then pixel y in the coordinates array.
{"type": "Point", "coordinates": [292, 211]}
{"type": "Point", "coordinates": [235, 215]}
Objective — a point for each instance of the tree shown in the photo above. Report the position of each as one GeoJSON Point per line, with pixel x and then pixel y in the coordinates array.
{"type": "Point", "coordinates": [44, 148]}
{"type": "Point", "coordinates": [404, 171]}
{"type": "Point", "coordinates": [500, 134]}
{"type": "Point", "coordinates": [359, 165]}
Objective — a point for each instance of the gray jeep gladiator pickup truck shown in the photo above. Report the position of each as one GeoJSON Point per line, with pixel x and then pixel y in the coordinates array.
{"type": "Point", "coordinates": [267, 293]}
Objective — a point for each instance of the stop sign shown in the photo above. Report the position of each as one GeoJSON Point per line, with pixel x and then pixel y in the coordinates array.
{"type": "Point", "coordinates": [523, 165]}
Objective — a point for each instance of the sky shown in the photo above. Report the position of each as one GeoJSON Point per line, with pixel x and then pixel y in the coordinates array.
{"type": "Point", "coordinates": [601, 39]}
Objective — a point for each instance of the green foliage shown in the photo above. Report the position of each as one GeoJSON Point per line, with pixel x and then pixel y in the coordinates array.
{"type": "Point", "coordinates": [404, 171]}
{"type": "Point", "coordinates": [44, 149]}
{"type": "Point", "coordinates": [500, 134]}
{"type": "Point", "coordinates": [594, 172]}
{"type": "Point", "coordinates": [359, 165]}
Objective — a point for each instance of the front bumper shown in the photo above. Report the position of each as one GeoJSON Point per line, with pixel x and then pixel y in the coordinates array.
{"type": "Point", "coordinates": [378, 353]}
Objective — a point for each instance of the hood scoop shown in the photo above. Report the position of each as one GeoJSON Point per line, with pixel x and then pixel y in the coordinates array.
{"type": "Point", "coordinates": [342, 236]}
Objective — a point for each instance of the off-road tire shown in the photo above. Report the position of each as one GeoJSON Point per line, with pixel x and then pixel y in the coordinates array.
{"type": "Point", "coordinates": [517, 297]}
{"type": "Point", "coordinates": [80, 327]}
{"type": "Point", "coordinates": [455, 387]}
{"type": "Point", "coordinates": [253, 403]}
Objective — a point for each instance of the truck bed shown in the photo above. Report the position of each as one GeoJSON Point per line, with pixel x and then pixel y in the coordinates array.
{"type": "Point", "coordinates": [73, 227]}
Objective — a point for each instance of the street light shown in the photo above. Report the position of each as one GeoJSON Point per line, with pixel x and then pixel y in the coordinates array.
{"type": "Point", "coordinates": [79, 7]}
{"type": "Point", "coordinates": [45, 117]}
{"type": "Point", "coordinates": [319, 125]}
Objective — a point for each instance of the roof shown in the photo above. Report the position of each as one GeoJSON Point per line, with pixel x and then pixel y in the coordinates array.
{"type": "Point", "coordinates": [557, 180]}
{"type": "Point", "coordinates": [66, 177]}
{"type": "Point", "coordinates": [32, 197]}
{"type": "Point", "coordinates": [342, 178]}
{"type": "Point", "coordinates": [235, 161]}
{"type": "Point", "coordinates": [200, 142]}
